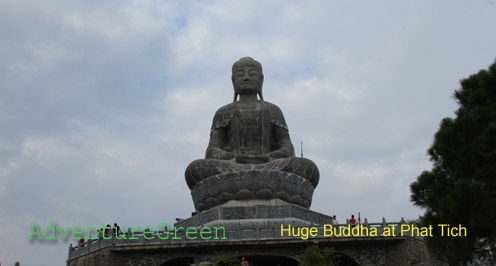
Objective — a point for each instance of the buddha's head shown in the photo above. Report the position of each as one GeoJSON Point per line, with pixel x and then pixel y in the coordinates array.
{"type": "Point", "coordinates": [247, 77]}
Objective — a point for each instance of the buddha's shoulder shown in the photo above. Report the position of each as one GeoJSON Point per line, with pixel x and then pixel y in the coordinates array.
{"type": "Point", "coordinates": [226, 108]}
{"type": "Point", "coordinates": [271, 106]}
{"type": "Point", "coordinates": [235, 106]}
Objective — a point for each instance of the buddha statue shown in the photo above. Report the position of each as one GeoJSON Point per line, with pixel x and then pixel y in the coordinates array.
{"type": "Point", "coordinates": [250, 154]}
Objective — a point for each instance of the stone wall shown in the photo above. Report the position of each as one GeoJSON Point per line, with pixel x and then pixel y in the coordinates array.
{"type": "Point", "coordinates": [361, 250]}
{"type": "Point", "coordinates": [411, 251]}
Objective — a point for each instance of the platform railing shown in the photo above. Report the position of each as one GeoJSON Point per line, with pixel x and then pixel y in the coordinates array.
{"type": "Point", "coordinates": [133, 238]}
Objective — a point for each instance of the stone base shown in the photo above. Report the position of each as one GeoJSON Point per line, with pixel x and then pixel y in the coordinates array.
{"type": "Point", "coordinates": [252, 184]}
{"type": "Point", "coordinates": [252, 230]}
{"type": "Point", "coordinates": [388, 251]}
{"type": "Point", "coordinates": [256, 213]}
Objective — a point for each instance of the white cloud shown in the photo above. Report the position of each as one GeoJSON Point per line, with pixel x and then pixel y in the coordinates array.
{"type": "Point", "coordinates": [104, 104]}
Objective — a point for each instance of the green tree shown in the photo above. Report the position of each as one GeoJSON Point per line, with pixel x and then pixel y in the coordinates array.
{"type": "Point", "coordinates": [460, 189]}
{"type": "Point", "coordinates": [314, 256]}
{"type": "Point", "coordinates": [228, 258]}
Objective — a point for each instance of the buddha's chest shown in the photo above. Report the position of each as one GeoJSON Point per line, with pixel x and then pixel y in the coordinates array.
{"type": "Point", "coordinates": [250, 115]}
{"type": "Point", "coordinates": [250, 130]}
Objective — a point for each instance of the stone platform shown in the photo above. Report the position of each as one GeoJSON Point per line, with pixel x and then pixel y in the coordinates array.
{"type": "Point", "coordinates": [239, 214]}
{"type": "Point", "coordinates": [253, 230]}
{"type": "Point", "coordinates": [257, 250]}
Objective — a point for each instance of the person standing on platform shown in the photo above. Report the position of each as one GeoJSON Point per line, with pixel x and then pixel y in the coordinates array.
{"type": "Point", "coordinates": [334, 220]}
{"type": "Point", "coordinates": [353, 222]}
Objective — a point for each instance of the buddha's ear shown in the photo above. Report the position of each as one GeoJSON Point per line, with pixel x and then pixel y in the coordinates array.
{"type": "Point", "coordinates": [235, 92]}
{"type": "Point", "coordinates": [260, 94]}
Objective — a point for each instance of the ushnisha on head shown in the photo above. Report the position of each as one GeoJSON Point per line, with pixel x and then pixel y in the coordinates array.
{"type": "Point", "coordinates": [247, 71]}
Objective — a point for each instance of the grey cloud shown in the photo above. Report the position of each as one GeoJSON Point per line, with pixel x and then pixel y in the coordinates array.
{"type": "Point", "coordinates": [103, 105]}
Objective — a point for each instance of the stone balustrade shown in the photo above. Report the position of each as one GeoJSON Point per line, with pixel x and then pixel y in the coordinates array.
{"type": "Point", "coordinates": [231, 234]}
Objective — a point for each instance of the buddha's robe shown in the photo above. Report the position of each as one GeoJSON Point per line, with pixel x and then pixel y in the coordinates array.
{"type": "Point", "coordinates": [249, 137]}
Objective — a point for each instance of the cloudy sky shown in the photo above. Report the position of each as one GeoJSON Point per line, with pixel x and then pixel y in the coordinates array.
{"type": "Point", "coordinates": [103, 104]}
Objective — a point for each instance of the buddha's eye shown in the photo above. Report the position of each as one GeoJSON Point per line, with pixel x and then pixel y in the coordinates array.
{"type": "Point", "coordinates": [240, 73]}
{"type": "Point", "coordinates": [253, 72]}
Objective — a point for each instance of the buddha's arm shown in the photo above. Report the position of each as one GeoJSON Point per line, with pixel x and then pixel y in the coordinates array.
{"type": "Point", "coordinates": [281, 135]}
{"type": "Point", "coordinates": [214, 150]}
{"type": "Point", "coordinates": [283, 142]}
{"type": "Point", "coordinates": [216, 145]}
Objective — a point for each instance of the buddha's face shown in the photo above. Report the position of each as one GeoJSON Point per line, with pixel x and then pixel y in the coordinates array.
{"type": "Point", "coordinates": [247, 79]}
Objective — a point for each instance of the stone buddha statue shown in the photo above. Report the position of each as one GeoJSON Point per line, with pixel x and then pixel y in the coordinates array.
{"type": "Point", "coordinates": [250, 154]}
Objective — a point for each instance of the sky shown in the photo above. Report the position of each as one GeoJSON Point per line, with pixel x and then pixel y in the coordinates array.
{"type": "Point", "coordinates": [103, 104]}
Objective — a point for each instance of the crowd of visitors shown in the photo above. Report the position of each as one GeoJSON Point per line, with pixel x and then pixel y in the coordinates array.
{"type": "Point", "coordinates": [351, 221]}
{"type": "Point", "coordinates": [106, 231]}
{"type": "Point", "coordinates": [109, 231]}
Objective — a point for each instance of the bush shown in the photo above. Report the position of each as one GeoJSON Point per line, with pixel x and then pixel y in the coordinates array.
{"type": "Point", "coordinates": [314, 256]}
{"type": "Point", "coordinates": [228, 259]}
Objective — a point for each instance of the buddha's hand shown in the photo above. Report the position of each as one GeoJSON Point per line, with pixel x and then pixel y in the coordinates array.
{"type": "Point", "coordinates": [252, 159]}
{"type": "Point", "coordinates": [219, 154]}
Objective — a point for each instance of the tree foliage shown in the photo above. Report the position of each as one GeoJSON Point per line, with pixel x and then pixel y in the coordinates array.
{"type": "Point", "coordinates": [461, 186]}
{"type": "Point", "coordinates": [314, 256]}
{"type": "Point", "coordinates": [228, 258]}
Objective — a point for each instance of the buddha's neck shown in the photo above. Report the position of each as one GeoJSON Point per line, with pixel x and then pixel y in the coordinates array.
{"type": "Point", "coordinates": [248, 98]}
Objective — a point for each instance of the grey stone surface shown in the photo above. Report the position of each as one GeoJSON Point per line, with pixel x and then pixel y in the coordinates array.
{"type": "Point", "coordinates": [252, 184]}
{"type": "Point", "coordinates": [252, 237]}
{"type": "Point", "coordinates": [250, 154]}
{"type": "Point", "coordinates": [256, 243]}
{"type": "Point", "coordinates": [240, 214]}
